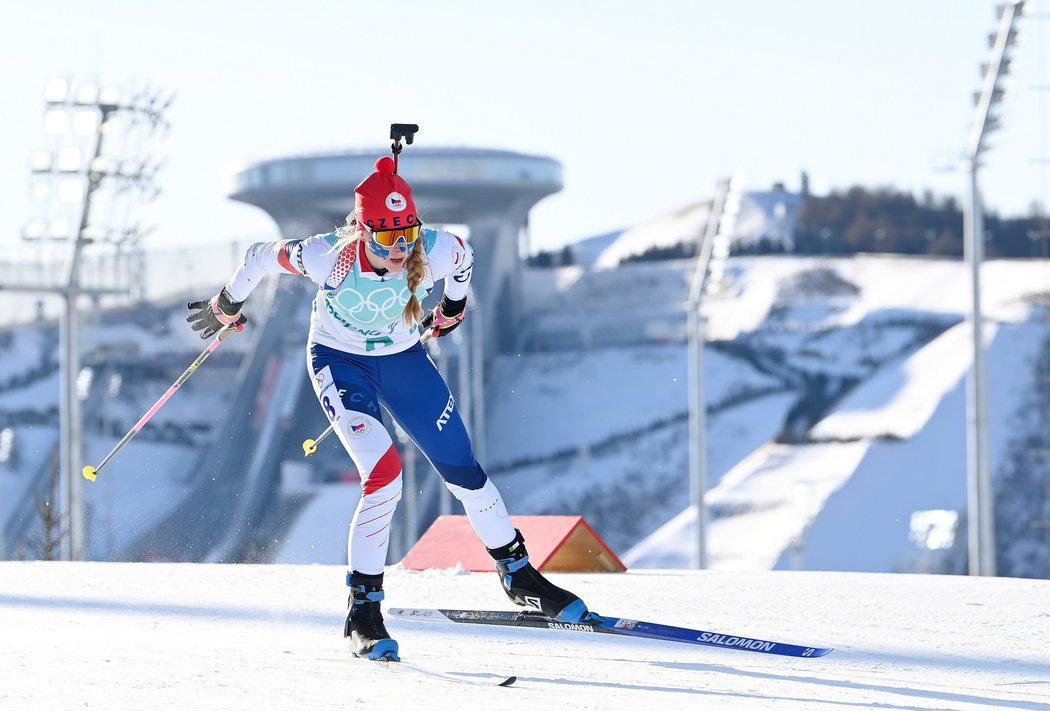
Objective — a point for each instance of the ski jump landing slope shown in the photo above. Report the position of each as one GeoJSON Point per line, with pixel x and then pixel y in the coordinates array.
{"type": "Point", "coordinates": [197, 636]}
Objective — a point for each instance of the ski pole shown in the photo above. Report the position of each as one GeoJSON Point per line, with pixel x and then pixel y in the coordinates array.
{"type": "Point", "coordinates": [310, 445]}
{"type": "Point", "coordinates": [91, 472]}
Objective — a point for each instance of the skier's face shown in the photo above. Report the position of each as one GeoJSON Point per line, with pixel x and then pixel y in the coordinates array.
{"type": "Point", "coordinates": [393, 256]}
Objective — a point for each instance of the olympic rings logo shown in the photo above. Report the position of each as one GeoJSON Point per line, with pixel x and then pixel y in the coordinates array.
{"type": "Point", "coordinates": [383, 304]}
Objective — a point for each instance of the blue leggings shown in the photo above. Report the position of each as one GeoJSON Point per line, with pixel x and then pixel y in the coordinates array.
{"type": "Point", "coordinates": [412, 390]}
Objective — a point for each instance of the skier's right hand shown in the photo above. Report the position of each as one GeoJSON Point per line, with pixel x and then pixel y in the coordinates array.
{"type": "Point", "coordinates": [211, 316]}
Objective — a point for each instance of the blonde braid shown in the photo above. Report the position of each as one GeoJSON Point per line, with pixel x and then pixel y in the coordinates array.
{"type": "Point", "coordinates": [417, 269]}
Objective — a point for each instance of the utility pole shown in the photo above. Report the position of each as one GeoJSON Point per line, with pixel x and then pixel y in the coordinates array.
{"type": "Point", "coordinates": [980, 504]}
{"type": "Point", "coordinates": [714, 240]}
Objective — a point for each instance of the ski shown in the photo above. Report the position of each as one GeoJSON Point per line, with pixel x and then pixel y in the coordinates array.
{"type": "Point", "coordinates": [611, 625]}
{"type": "Point", "coordinates": [403, 667]}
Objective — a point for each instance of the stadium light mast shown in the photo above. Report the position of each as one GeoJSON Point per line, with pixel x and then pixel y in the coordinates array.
{"type": "Point", "coordinates": [980, 508]}
{"type": "Point", "coordinates": [716, 229]}
{"type": "Point", "coordinates": [88, 112]}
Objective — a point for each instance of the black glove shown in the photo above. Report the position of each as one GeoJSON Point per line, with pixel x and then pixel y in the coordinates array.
{"type": "Point", "coordinates": [445, 317]}
{"type": "Point", "coordinates": [211, 316]}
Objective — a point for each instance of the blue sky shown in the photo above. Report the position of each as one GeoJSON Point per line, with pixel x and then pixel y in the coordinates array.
{"type": "Point", "coordinates": [646, 105]}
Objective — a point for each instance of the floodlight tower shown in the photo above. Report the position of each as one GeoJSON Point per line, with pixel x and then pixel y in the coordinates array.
{"type": "Point", "coordinates": [88, 112]}
{"type": "Point", "coordinates": [981, 519]}
{"type": "Point", "coordinates": [710, 259]}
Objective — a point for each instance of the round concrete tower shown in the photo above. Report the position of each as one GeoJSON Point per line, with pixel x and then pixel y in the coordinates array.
{"type": "Point", "coordinates": [490, 191]}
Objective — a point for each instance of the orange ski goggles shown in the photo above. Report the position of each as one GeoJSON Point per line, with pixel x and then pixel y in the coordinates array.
{"type": "Point", "coordinates": [388, 238]}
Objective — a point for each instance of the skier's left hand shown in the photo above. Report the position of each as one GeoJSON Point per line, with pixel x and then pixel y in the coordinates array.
{"type": "Point", "coordinates": [211, 316]}
{"type": "Point", "coordinates": [445, 317]}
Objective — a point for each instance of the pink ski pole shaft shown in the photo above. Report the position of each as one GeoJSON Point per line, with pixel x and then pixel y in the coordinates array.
{"type": "Point", "coordinates": [91, 472]}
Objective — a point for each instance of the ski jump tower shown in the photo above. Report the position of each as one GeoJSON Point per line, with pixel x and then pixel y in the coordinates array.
{"type": "Point", "coordinates": [489, 191]}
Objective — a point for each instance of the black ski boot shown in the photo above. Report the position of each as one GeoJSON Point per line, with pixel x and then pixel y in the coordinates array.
{"type": "Point", "coordinates": [364, 622]}
{"type": "Point", "coordinates": [525, 586]}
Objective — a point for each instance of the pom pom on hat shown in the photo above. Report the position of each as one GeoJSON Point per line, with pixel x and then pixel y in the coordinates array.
{"type": "Point", "coordinates": [383, 200]}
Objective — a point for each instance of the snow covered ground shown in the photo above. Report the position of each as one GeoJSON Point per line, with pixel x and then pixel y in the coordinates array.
{"type": "Point", "coordinates": [194, 636]}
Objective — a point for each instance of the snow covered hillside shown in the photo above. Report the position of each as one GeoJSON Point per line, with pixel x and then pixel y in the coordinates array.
{"type": "Point", "coordinates": [759, 216]}
{"type": "Point", "coordinates": [820, 374]}
{"type": "Point", "coordinates": [247, 637]}
{"type": "Point", "coordinates": [814, 367]}
{"type": "Point", "coordinates": [129, 359]}
{"type": "Point", "coordinates": [834, 392]}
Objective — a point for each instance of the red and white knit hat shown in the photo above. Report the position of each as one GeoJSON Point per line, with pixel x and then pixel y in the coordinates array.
{"type": "Point", "coordinates": [383, 200]}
